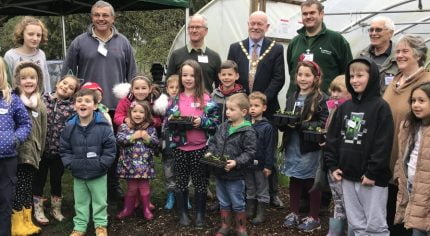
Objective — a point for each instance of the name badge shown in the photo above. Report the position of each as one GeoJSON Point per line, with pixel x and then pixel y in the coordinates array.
{"type": "Point", "coordinates": [91, 154]}
{"type": "Point", "coordinates": [35, 114]}
{"type": "Point", "coordinates": [308, 57]}
{"type": "Point", "coordinates": [388, 79]}
{"type": "Point", "coordinates": [102, 49]}
{"type": "Point", "coordinates": [3, 111]}
{"type": "Point", "coordinates": [351, 124]}
{"type": "Point", "coordinates": [195, 104]}
{"type": "Point", "coordinates": [203, 59]}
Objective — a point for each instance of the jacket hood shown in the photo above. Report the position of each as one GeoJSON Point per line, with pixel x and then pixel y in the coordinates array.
{"type": "Point", "coordinates": [373, 87]}
{"type": "Point", "coordinates": [33, 65]}
{"type": "Point", "coordinates": [261, 122]}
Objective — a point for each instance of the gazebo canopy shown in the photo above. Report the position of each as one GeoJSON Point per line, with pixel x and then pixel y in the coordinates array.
{"type": "Point", "coordinates": [67, 7]}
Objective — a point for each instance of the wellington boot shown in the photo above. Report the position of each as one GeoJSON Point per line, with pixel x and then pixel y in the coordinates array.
{"type": "Point", "coordinates": [29, 222]}
{"type": "Point", "coordinates": [18, 225]}
{"type": "Point", "coordinates": [56, 208]}
{"type": "Point", "coordinates": [240, 219]}
{"type": "Point", "coordinates": [225, 223]}
{"type": "Point", "coordinates": [260, 216]}
{"type": "Point", "coordinates": [250, 208]}
{"type": "Point", "coordinates": [39, 213]}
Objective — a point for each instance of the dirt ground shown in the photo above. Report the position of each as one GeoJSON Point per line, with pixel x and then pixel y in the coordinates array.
{"type": "Point", "coordinates": [165, 223]}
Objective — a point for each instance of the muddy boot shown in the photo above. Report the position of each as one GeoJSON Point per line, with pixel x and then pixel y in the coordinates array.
{"type": "Point", "coordinates": [128, 208]}
{"type": "Point", "coordinates": [56, 208]}
{"type": "Point", "coordinates": [170, 201]}
{"type": "Point", "coordinates": [29, 222]}
{"type": "Point", "coordinates": [250, 208]}
{"type": "Point", "coordinates": [336, 227]}
{"type": "Point", "coordinates": [240, 219]}
{"type": "Point", "coordinates": [39, 213]}
{"type": "Point", "coordinates": [225, 223]}
{"type": "Point", "coordinates": [181, 204]}
{"type": "Point", "coordinates": [261, 211]}
{"type": "Point", "coordinates": [200, 203]}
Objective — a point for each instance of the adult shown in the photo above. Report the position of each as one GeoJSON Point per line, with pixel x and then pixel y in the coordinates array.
{"type": "Point", "coordinates": [105, 56]}
{"type": "Point", "coordinates": [382, 49]}
{"type": "Point", "coordinates": [29, 33]}
{"type": "Point", "coordinates": [102, 54]}
{"type": "Point", "coordinates": [411, 54]}
{"type": "Point", "coordinates": [196, 49]}
{"type": "Point", "coordinates": [315, 42]}
{"type": "Point", "coordinates": [260, 63]}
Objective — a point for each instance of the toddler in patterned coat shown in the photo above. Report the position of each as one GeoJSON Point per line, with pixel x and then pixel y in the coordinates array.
{"type": "Point", "coordinates": [136, 164]}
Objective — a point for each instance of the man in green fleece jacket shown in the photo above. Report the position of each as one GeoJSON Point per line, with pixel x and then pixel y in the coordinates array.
{"type": "Point", "coordinates": [316, 43]}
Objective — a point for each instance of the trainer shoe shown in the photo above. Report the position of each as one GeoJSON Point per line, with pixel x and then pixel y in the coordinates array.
{"type": "Point", "coordinates": [291, 220]}
{"type": "Point", "coordinates": [309, 224]}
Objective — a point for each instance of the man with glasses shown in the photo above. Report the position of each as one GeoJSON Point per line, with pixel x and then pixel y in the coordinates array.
{"type": "Point", "coordinates": [316, 43]}
{"type": "Point", "coordinates": [196, 49]}
{"type": "Point", "coordinates": [105, 56]}
{"type": "Point", "coordinates": [382, 49]}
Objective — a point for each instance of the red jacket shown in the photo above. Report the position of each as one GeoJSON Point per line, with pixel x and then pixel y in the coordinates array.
{"type": "Point", "coordinates": [122, 109]}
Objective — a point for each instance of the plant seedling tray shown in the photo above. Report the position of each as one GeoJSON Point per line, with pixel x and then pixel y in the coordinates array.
{"type": "Point", "coordinates": [314, 136]}
{"type": "Point", "coordinates": [214, 161]}
{"type": "Point", "coordinates": [282, 120]}
{"type": "Point", "coordinates": [181, 122]}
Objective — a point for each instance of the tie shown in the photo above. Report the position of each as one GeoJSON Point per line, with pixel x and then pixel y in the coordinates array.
{"type": "Point", "coordinates": [253, 66]}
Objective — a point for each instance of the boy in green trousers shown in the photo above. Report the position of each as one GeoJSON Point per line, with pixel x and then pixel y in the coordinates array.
{"type": "Point", "coordinates": [87, 148]}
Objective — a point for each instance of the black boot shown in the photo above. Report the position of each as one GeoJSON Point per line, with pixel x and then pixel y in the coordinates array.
{"type": "Point", "coordinates": [261, 211]}
{"type": "Point", "coordinates": [250, 208]}
{"type": "Point", "coordinates": [200, 203]}
{"type": "Point", "coordinates": [181, 204]}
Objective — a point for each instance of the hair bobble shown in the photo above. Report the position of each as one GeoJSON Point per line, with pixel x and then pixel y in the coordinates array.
{"type": "Point", "coordinates": [316, 67]}
{"type": "Point", "coordinates": [133, 104]}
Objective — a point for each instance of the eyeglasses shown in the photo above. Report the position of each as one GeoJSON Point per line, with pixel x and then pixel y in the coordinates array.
{"type": "Point", "coordinates": [376, 30]}
{"type": "Point", "coordinates": [196, 27]}
{"type": "Point", "coordinates": [104, 16]}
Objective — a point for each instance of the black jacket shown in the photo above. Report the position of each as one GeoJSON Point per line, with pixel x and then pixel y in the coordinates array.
{"type": "Point", "coordinates": [88, 151]}
{"type": "Point", "coordinates": [360, 136]}
{"type": "Point", "coordinates": [266, 145]}
{"type": "Point", "coordinates": [319, 119]}
{"type": "Point", "coordinates": [270, 75]}
{"type": "Point", "coordinates": [240, 146]}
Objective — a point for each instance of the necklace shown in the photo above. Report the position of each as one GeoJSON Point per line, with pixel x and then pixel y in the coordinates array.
{"type": "Point", "coordinates": [255, 63]}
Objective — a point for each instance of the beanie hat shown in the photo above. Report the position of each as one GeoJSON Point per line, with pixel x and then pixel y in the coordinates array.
{"type": "Point", "coordinates": [92, 86]}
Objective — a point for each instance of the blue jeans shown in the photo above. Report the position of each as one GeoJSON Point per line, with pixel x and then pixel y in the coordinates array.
{"type": "Point", "coordinates": [231, 194]}
{"type": "Point", "coordinates": [417, 232]}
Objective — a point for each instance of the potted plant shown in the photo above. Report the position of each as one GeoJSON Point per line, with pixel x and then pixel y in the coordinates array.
{"type": "Point", "coordinates": [314, 134]}
{"type": "Point", "coordinates": [214, 161]}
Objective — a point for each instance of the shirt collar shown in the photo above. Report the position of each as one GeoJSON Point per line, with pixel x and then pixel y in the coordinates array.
{"type": "Point", "coordinates": [93, 33]}
{"type": "Point", "coordinates": [251, 43]}
{"type": "Point", "coordinates": [189, 48]}
{"type": "Point", "coordinates": [386, 53]}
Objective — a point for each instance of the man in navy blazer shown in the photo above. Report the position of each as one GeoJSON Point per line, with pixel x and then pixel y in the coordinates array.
{"type": "Point", "coordinates": [270, 74]}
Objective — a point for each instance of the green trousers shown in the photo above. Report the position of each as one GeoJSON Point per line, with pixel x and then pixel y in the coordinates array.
{"type": "Point", "coordinates": [90, 192]}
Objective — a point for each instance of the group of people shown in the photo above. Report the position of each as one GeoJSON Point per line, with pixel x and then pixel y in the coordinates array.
{"type": "Point", "coordinates": [114, 125]}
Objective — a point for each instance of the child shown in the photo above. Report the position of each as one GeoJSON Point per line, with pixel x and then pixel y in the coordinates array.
{"type": "Point", "coordinates": [136, 163]}
{"type": "Point", "coordinates": [140, 89]}
{"type": "Point", "coordinates": [228, 75]}
{"type": "Point", "coordinates": [59, 108]}
{"type": "Point", "coordinates": [15, 126]}
{"type": "Point", "coordinates": [99, 91]}
{"type": "Point", "coordinates": [412, 165]}
{"type": "Point", "coordinates": [302, 157]}
{"type": "Point", "coordinates": [172, 89]}
{"type": "Point", "coordinates": [87, 148]}
{"type": "Point", "coordinates": [236, 139]}
{"type": "Point", "coordinates": [257, 182]}
{"type": "Point", "coordinates": [29, 34]}
{"type": "Point", "coordinates": [190, 145]}
{"type": "Point", "coordinates": [357, 150]}
{"type": "Point", "coordinates": [29, 83]}
{"type": "Point", "coordinates": [338, 95]}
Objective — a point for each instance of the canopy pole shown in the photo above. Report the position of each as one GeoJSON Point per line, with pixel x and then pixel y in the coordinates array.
{"type": "Point", "coordinates": [187, 18]}
{"type": "Point", "coordinates": [63, 26]}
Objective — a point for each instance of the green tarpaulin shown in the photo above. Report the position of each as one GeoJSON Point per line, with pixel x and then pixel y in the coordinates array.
{"type": "Point", "coordinates": [66, 7]}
